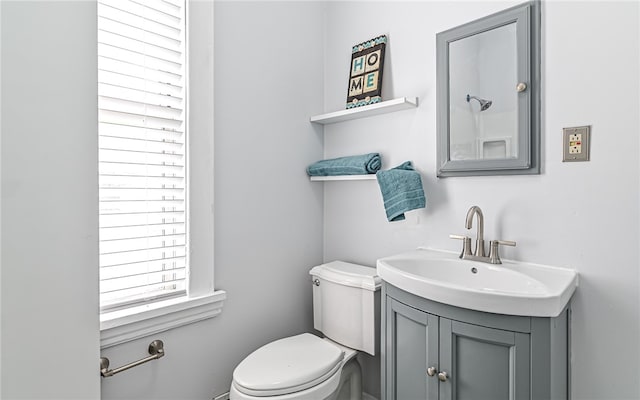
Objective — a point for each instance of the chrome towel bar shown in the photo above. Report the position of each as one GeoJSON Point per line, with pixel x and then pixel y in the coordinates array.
{"type": "Point", "coordinates": [156, 349]}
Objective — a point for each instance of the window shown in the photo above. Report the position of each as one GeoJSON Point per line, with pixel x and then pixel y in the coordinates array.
{"type": "Point", "coordinates": [142, 151]}
{"type": "Point", "coordinates": [144, 202]}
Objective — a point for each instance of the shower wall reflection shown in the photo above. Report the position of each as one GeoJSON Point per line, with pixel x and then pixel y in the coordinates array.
{"type": "Point", "coordinates": [483, 115]}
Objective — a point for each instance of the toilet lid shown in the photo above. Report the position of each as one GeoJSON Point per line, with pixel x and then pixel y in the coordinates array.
{"type": "Point", "coordinates": [287, 365]}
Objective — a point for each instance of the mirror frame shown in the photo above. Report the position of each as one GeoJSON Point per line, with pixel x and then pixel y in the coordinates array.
{"type": "Point", "coordinates": [527, 19]}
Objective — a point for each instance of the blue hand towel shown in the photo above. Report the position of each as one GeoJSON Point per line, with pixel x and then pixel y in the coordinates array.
{"type": "Point", "coordinates": [401, 190]}
{"type": "Point", "coordinates": [352, 165]}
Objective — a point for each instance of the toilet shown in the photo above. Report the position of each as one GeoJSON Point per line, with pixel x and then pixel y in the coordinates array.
{"type": "Point", "coordinates": [346, 303]}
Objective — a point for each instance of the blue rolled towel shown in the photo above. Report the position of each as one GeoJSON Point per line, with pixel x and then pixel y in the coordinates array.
{"type": "Point", "coordinates": [401, 189]}
{"type": "Point", "coordinates": [351, 165]}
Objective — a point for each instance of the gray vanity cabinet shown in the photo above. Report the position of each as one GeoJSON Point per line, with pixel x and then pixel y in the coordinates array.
{"type": "Point", "coordinates": [472, 355]}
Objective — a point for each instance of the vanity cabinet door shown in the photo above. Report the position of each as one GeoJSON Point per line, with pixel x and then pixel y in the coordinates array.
{"type": "Point", "coordinates": [411, 348]}
{"type": "Point", "coordinates": [483, 363]}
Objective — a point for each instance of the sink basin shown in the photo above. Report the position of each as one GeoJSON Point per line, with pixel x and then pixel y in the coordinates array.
{"type": "Point", "coordinates": [512, 288]}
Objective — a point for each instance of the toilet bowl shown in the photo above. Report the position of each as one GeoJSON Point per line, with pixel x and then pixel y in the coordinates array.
{"type": "Point", "coordinates": [346, 299]}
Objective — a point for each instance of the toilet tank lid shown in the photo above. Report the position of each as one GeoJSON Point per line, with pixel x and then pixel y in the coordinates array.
{"type": "Point", "coordinates": [348, 274]}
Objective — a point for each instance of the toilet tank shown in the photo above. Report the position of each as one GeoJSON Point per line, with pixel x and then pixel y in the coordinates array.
{"type": "Point", "coordinates": [346, 304]}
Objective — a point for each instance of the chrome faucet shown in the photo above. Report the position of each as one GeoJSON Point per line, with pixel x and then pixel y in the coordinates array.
{"type": "Point", "coordinates": [475, 210]}
{"type": "Point", "coordinates": [479, 254]}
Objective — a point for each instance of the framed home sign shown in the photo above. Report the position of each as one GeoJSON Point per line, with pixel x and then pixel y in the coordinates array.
{"type": "Point", "coordinates": [365, 76]}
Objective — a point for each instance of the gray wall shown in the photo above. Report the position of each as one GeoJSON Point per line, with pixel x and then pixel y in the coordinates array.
{"type": "Point", "coordinates": [49, 289]}
{"type": "Point", "coordinates": [579, 215]}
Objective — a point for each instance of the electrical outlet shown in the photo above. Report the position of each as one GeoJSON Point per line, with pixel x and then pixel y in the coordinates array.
{"type": "Point", "coordinates": [576, 143]}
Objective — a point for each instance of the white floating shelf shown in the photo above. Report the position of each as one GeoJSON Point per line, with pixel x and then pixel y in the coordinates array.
{"type": "Point", "coordinates": [344, 177]}
{"type": "Point", "coordinates": [401, 103]}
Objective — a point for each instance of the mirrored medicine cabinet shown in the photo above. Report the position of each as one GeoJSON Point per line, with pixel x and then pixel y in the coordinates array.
{"type": "Point", "coordinates": [488, 95]}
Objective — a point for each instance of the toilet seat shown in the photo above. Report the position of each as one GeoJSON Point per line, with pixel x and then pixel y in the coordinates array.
{"type": "Point", "coordinates": [288, 365]}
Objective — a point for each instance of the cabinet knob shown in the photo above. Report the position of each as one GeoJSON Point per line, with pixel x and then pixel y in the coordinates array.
{"type": "Point", "coordinates": [443, 376]}
{"type": "Point", "coordinates": [521, 87]}
{"type": "Point", "coordinates": [431, 371]}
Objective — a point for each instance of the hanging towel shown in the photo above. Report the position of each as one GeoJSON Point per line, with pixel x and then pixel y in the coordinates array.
{"type": "Point", "coordinates": [352, 165]}
{"type": "Point", "coordinates": [401, 189]}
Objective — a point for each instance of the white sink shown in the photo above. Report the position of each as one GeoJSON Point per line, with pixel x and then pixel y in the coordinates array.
{"type": "Point", "coordinates": [512, 288]}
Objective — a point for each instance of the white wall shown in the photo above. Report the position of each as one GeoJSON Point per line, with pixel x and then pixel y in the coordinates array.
{"type": "Point", "coordinates": [579, 215]}
{"type": "Point", "coordinates": [268, 216]}
{"type": "Point", "coordinates": [49, 201]}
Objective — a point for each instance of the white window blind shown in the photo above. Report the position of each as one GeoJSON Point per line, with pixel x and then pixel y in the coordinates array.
{"type": "Point", "coordinates": [142, 150]}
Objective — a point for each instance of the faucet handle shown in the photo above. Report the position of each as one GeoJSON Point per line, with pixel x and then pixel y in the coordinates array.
{"type": "Point", "coordinates": [494, 256]}
{"type": "Point", "coordinates": [466, 244]}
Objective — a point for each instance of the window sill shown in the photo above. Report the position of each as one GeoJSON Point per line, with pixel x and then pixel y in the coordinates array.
{"type": "Point", "coordinates": [122, 326]}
